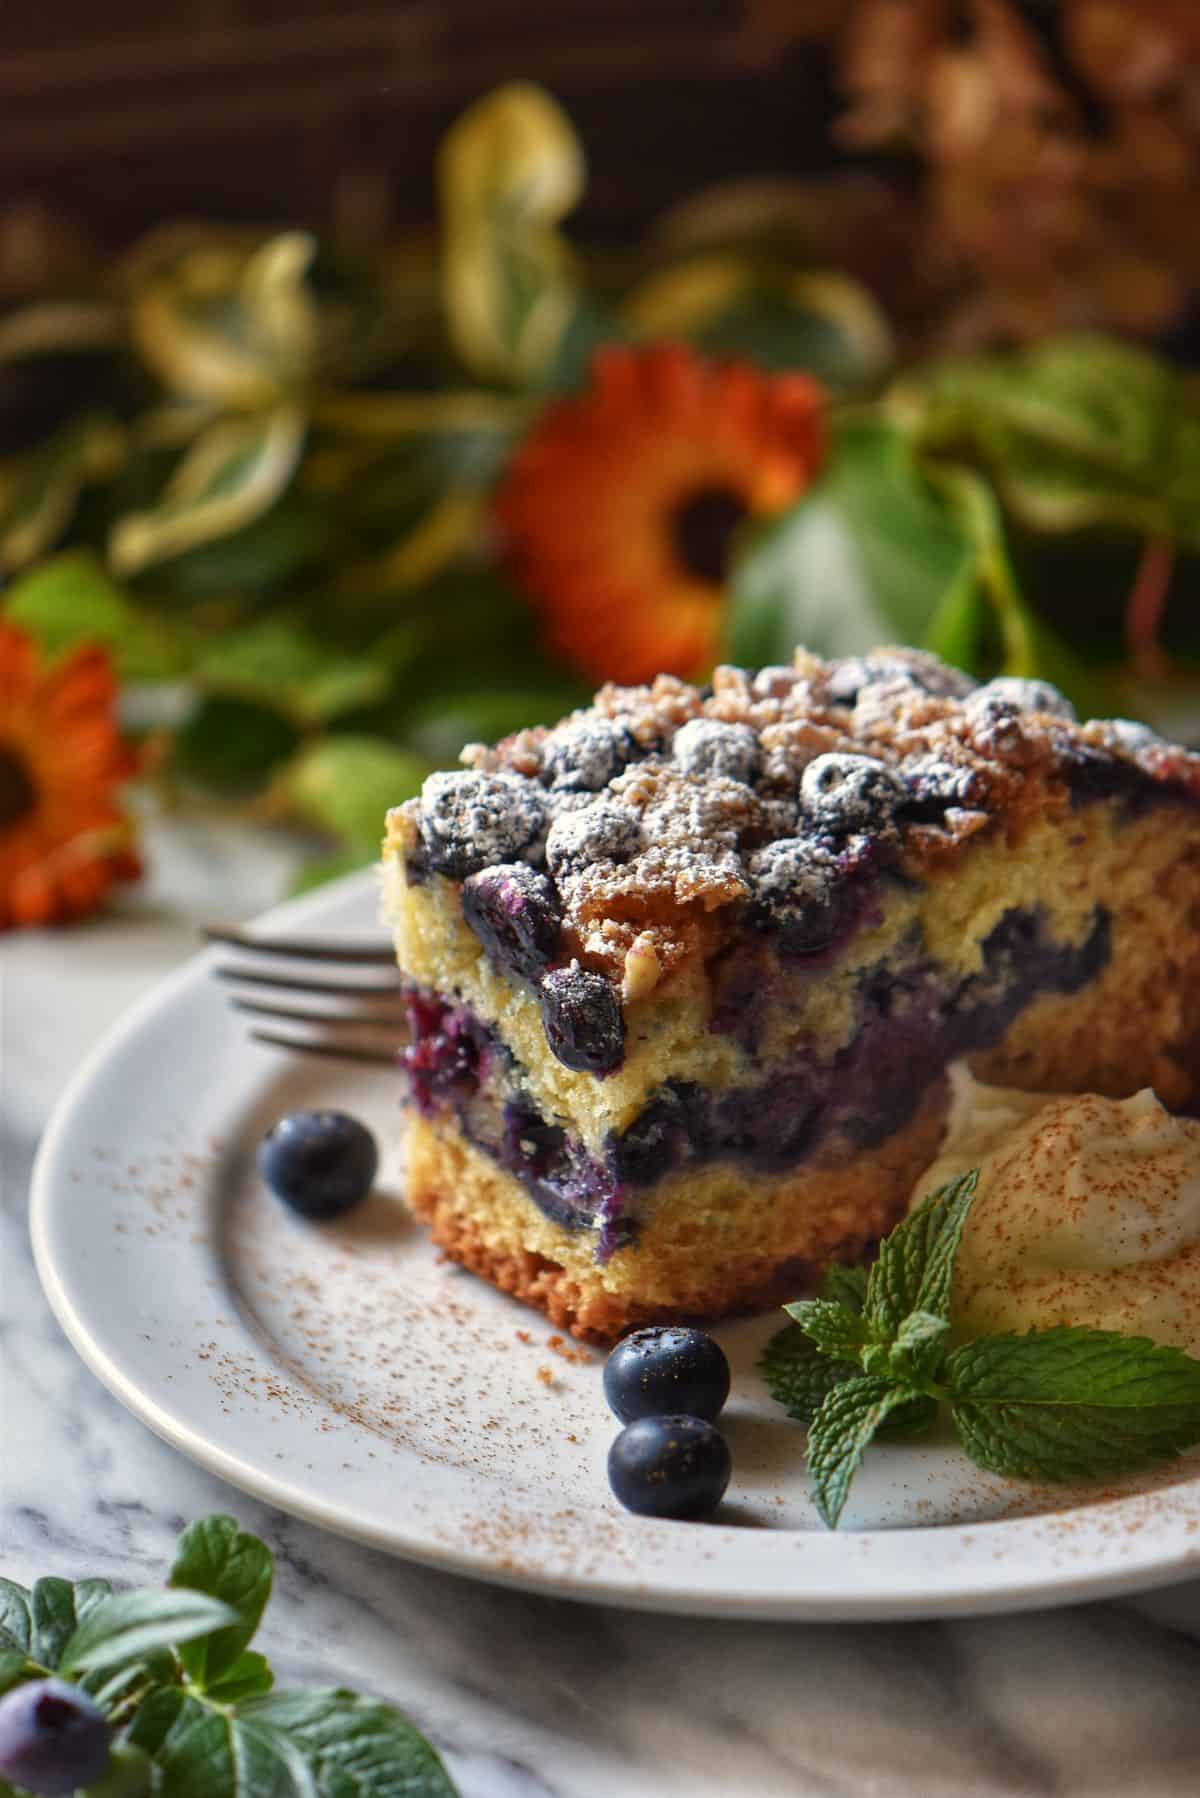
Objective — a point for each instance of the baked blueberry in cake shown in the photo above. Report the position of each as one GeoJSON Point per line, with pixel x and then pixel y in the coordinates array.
{"type": "Point", "coordinates": [686, 971]}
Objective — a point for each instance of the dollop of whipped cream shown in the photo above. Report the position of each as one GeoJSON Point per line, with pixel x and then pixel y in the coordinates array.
{"type": "Point", "coordinates": [1088, 1212]}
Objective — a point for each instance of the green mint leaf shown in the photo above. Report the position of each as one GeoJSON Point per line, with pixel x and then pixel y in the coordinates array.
{"type": "Point", "coordinates": [908, 1420]}
{"type": "Point", "coordinates": [798, 1376]}
{"type": "Point", "coordinates": [354, 1747]}
{"type": "Point", "coordinates": [216, 1557]}
{"type": "Point", "coordinates": [916, 1262]}
{"type": "Point", "coordinates": [133, 1624]}
{"type": "Point", "coordinates": [249, 1677]}
{"type": "Point", "coordinates": [841, 1433]}
{"type": "Point", "coordinates": [845, 1286]}
{"type": "Point", "coordinates": [954, 1203]}
{"type": "Point", "coordinates": [16, 1622]}
{"type": "Point", "coordinates": [57, 1608]}
{"type": "Point", "coordinates": [919, 1348]}
{"type": "Point", "coordinates": [1072, 1403]}
{"type": "Point", "coordinates": [838, 1333]}
{"type": "Point", "coordinates": [206, 1753]}
{"type": "Point", "coordinates": [13, 1666]}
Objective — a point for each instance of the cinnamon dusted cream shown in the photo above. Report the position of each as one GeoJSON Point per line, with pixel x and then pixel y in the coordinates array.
{"type": "Point", "coordinates": [1088, 1212]}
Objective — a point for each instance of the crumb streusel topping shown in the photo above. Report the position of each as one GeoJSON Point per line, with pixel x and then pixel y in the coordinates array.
{"type": "Point", "coordinates": [661, 812]}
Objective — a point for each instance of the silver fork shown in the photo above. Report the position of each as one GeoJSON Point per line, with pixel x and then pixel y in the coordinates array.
{"type": "Point", "coordinates": [331, 1028]}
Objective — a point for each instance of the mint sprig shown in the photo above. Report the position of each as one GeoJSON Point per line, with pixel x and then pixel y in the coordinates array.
{"type": "Point", "coordinates": [870, 1357]}
{"type": "Point", "coordinates": [1072, 1403]}
{"type": "Point", "coordinates": [191, 1705]}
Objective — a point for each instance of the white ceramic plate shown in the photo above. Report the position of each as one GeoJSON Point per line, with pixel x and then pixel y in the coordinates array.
{"type": "Point", "coordinates": [348, 1374]}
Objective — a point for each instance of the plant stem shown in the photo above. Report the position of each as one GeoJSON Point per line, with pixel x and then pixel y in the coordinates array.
{"type": "Point", "coordinates": [1147, 602]}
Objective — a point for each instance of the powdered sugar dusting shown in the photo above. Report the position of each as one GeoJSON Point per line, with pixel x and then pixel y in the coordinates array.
{"type": "Point", "coordinates": [651, 809]}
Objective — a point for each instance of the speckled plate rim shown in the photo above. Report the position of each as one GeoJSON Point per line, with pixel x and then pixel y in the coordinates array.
{"type": "Point", "coordinates": [1103, 1549]}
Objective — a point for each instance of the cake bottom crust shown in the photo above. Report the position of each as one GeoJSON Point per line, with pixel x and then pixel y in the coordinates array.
{"type": "Point", "coordinates": [711, 1242]}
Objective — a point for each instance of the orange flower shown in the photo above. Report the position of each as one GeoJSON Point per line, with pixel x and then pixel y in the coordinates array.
{"type": "Point", "coordinates": [619, 510]}
{"type": "Point", "coordinates": [63, 838]}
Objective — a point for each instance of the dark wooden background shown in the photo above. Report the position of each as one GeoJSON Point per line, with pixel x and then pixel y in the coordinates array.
{"type": "Point", "coordinates": [123, 112]}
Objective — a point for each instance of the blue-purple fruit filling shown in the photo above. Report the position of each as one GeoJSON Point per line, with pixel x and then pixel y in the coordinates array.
{"type": "Point", "coordinates": [915, 1016]}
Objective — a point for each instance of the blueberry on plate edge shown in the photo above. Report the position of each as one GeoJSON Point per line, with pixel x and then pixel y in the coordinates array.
{"type": "Point", "coordinates": [666, 1370]}
{"type": "Point", "coordinates": [675, 1467]}
{"type": "Point", "coordinates": [320, 1163]}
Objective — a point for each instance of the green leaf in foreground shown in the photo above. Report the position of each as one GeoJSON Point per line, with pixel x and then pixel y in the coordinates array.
{"type": "Point", "coordinates": [841, 1433]}
{"type": "Point", "coordinates": [191, 1709]}
{"type": "Point", "coordinates": [919, 1348]}
{"type": "Point", "coordinates": [16, 1625]}
{"type": "Point", "coordinates": [217, 1558]}
{"type": "Point", "coordinates": [846, 1286]}
{"type": "Point", "coordinates": [915, 1263]}
{"type": "Point", "coordinates": [354, 1747]}
{"type": "Point", "coordinates": [12, 1667]}
{"type": "Point", "coordinates": [837, 1332]}
{"type": "Point", "coordinates": [249, 1677]}
{"type": "Point", "coordinates": [57, 1609]}
{"type": "Point", "coordinates": [799, 1376]}
{"type": "Point", "coordinates": [1072, 1403]}
{"type": "Point", "coordinates": [207, 1753]}
{"type": "Point", "coordinates": [132, 1624]}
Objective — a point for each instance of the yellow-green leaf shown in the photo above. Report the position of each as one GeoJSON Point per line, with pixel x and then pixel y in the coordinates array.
{"type": "Point", "coordinates": [39, 491]}
{"type": "Point", "coordinates": [1081, 433]}
{"type": "Point", "coordinates": [227, 325]}
{"type": "Point", "coordinates": [235, 470]}
{"type": "Point", "coordinates": [509, 170]}
{"type": "Point", "coordinates": [56, 325]}
{"type": "Point", "coordinates": [732, 305]}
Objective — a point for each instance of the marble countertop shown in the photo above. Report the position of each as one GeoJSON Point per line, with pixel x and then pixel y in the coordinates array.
{"type": "Point", "coordinates": [531, 1697]}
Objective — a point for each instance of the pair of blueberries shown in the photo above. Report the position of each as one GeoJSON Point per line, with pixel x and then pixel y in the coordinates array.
{"type": "Point", "coordinates": [667, 1386]}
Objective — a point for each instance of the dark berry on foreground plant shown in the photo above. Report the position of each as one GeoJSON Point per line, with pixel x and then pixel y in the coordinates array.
{"type": "Point", "coordinates": [669, 1467]}
{"type": "Point", "coordinates": [52, 1738]}
{"type": "Point", "coordinates": [666, 1371]}
{"type": "Point", "coordinates": [319, 1162]}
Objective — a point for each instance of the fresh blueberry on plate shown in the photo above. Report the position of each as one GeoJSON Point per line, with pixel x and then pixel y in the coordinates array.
{"type": "Point", "coordinates": [321, 1163]}
{"type": "Point", "coordinates": [669, 1467]}
{"type": "Point", "coordinates": [669, 1370]}
{"type": "Point", "coordinates": [52, 1738]}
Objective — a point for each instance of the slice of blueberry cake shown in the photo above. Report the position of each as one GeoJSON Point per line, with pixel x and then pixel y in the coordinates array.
{"type": "Point", "coordinates": [686, 971]}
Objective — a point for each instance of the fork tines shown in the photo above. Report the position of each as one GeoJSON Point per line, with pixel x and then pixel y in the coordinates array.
{"type": "Point", "coordinates": [330, 1027]}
